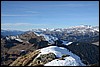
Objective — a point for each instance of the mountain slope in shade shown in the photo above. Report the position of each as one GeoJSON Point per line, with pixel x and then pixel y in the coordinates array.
{"type": "Point", "coordinates": [11, 32]}
{"type": "Point", "coordinates": [89, 53]}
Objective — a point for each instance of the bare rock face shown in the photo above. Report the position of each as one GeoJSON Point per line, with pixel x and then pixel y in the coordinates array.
{"type": "Point", "coordinates": [43, 59]}
{"type": "Point", "coordinates": [31, 59]}
{"type": "Point", "coordinates": [30, 36]}
{"type": "Point", "coordinates": [24, 60]}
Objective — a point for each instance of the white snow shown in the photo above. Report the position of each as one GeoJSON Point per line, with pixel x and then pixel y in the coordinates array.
{"type": "Point", "coordinates": [51, 29]}
{"type": "Point", "coordinates": [44, 29]}
{"type": "Point", "coordinates": [49, 38]}
{"type": "Point", "coordinates": [72, 60]}
{"type": "Point", "coordinates": [17, 36]}
{"type": "Point", "coordinates": [58, 30]}
{"type": "Point", "coordinates": [22, 50]}
{"type": "Point", "coordinates": [19, 40]}
{"type": "Point", "coordinates": [69, 61]}
{"type": "Point", "coordinates": [96, 30]}
{"type": "Point", "coordinates": [66, 43]}
{"type": "Point", "coordinates": [37, 34]}
{"type": "Point", "coordinates": [13, 37]}
{"type": "Point", "coordinates": [7, 38]}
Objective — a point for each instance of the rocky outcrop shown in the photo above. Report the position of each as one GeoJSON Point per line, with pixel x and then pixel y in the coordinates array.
{"type": "Point", "coordinates": [24, 60]}
{"type": "Point", "coordinates": [43, 59]}
{"type": "Point", "coordinates": [29, 36]}
{"type": "Point", "coordinates": [31, 59]}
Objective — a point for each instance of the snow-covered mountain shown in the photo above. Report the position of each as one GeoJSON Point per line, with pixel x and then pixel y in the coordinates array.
{"type": "Point", "coordinates": [48, 38]}
{"type": "Point", "coordinates": [73, 28]}
{"type": "Point", "coordinates": [72, 43]}
{"type": "Point", "coordinates": [75, 33]}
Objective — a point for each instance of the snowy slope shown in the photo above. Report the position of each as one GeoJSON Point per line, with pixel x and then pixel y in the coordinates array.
{"type": "Point", "coordinates": [66, 43]}
{"type": "Point", "coordinates": [19, 40]}
{"type": "Point", "coordinates": [48, 38]}
{"type": "Point", "coordinates": [69, 61]}
{"type": "Point", "coordinates": [72, 60]}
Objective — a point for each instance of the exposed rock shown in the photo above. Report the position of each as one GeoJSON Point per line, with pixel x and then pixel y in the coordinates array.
{"type": "Point", "coordinates": [42, 59]}
{"type": "Point", "coordinates": [30, 36]}
{"type": "Point", "coordinates": [33, 40]}
{"type": "Point", "coordinates": [63, 56]}
{"type": "Point", "coordinates": [31, 59]}
{"type": "Point", "coordinates": [42, 44]}
{"type": "Point", "coordinates": [24, 60]}
{"type": "Point", "coordinates": [58, 42]}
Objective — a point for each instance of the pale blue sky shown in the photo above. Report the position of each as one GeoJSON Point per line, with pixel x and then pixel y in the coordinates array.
{"type": "Point", "coordinates": [25, 15]}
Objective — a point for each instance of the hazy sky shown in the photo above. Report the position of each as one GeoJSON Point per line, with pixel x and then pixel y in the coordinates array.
{"type": "Point", "coordinates": [25, 15]}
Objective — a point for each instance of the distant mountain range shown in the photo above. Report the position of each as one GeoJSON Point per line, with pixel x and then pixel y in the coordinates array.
{"type": "Point", "coordinates": [74, 46]}
{"type": "Point", "coordinates": [79, 28]}
{"type": "Point", "coordinates": [10, 32]}
{"type": "Point", "coordinates": [77, 33]}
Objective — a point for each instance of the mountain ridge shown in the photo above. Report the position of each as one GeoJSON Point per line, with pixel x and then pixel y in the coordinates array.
{"type": "Point", "coordinates": [14, 46]}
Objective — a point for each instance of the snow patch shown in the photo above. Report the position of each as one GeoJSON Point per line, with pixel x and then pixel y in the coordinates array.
{"type": "Point", "coordinates": [13, 37]}
{"type": "Point", "coordinates": [37, 34]}
{"type": "Point", "coordinates": [69, 61]}
{"type": "Point", "coordinates": [19, 40]}
{"type": "Point", "coordinates": [66, 43]}
{"type": "Point", "coordinates": [48, 38]}
{"type": "Point", "coordinates": [72, 60]}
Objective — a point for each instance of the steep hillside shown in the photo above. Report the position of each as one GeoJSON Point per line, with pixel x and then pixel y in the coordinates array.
{"type": "Point", "coordinates": [89, 53]}
{"type": "Point", "coordinates": [14, 46]}
{"type": "Point", "coordinates": [49, 56]}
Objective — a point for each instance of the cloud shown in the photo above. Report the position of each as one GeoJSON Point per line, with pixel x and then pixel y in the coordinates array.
{"type": "Point", "coordinates": [30, 13]}
{"type": "Point", "coordinates": [21, 24]}
{"type": "Point", "coordinates": [12, 15]}
{"type": "Point", "coordinates": [72, 5]}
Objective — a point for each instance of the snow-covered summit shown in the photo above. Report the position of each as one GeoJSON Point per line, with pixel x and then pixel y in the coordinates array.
{"type": "Point", "coordinates": [73, 28]}
{"type": "Point", "coordinates": [72, 60]}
